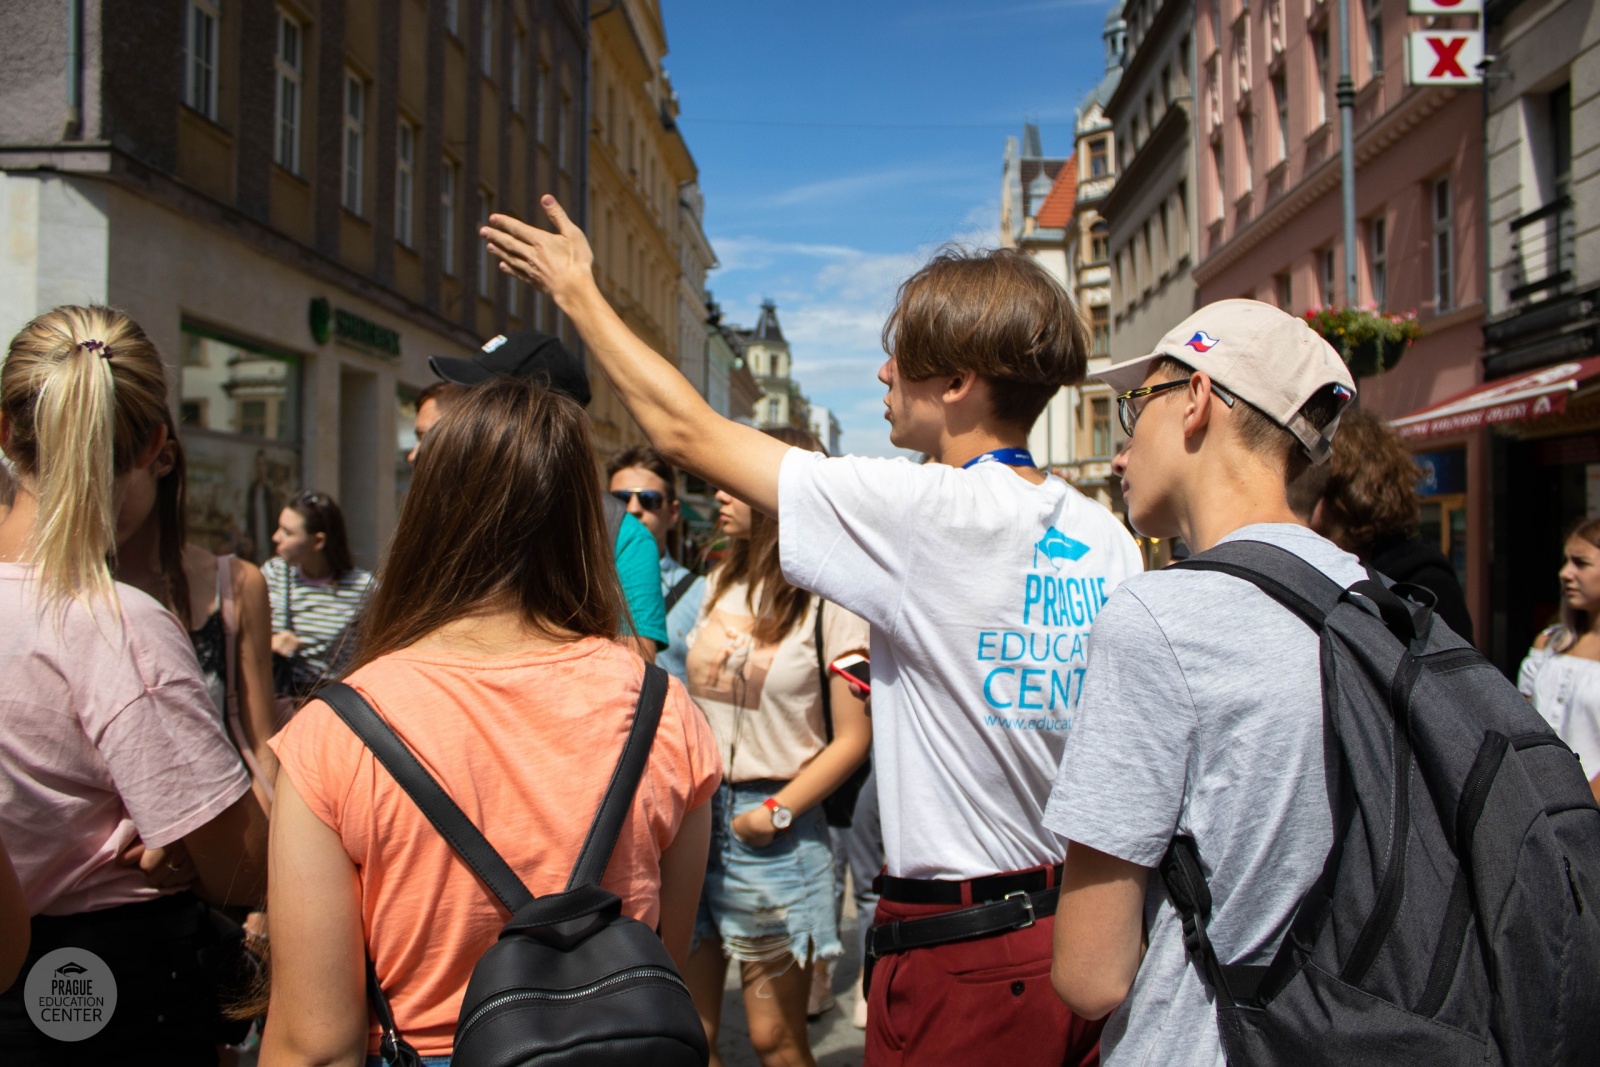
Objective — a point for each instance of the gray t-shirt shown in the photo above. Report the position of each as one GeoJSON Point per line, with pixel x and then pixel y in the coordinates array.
{"type": "Point", "coordinates": [1201, 714]}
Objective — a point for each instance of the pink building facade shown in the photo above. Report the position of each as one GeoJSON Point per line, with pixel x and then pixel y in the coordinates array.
{"type": "Point", "coordinates": [1270, 217]}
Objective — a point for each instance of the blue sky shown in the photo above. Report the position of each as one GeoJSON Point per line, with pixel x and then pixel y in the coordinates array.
{"type": "Point", "coordinates": [840, 144]}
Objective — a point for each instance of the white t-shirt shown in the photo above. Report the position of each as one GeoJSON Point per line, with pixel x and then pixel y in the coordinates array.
{"type": "Point", "coordinates": [1566, 691]}
{"type": "Point", "coordinates": [980, 588]}
{"type": "Point", "coordinates": [1202, 715]}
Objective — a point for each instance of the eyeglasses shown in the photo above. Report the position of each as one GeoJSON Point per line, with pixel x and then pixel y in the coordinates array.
{"type": "Point", "coordinates": [649, 499]}
{"type": "Point", "coordinates": [1128, 414]}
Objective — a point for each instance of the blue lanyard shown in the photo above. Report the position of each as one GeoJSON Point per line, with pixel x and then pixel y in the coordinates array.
{"type": "Point", "coordinates": [1011, 457]}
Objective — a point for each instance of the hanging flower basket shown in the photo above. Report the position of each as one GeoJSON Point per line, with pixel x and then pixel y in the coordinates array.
{"type": "Point", "coordinates": [1371, 341]}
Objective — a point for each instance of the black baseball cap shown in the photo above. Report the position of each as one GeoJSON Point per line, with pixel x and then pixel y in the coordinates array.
{"type": "Point", "coordinates": [524, 354]}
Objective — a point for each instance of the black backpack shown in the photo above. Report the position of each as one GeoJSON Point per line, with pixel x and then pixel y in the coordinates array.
{"type": "Point", "coordinates": [570, 979]}
{"type": "Point", "coordinates": [1455, 920]}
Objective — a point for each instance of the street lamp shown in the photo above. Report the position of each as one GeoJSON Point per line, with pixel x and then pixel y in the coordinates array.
{"type": "Point", "coordinates": [1346, 93]}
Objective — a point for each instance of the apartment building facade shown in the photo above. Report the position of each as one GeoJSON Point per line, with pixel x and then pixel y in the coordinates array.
{"type": "Point", "coordinates": [286, 197]}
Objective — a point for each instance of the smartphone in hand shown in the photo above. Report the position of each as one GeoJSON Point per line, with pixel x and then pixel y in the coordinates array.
{"type": "Point", "coordinates": [855, 668]}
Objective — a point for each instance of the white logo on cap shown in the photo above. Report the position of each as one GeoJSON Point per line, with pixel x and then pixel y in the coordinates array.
{"type": "Point", "coordinates": [493, 343]}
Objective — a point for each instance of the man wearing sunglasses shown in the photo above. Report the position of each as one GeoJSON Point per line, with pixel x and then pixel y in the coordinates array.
{"type": "Point", "coordinates": [647, 485]}
{"type": "Point", "coordinates": [1202, 707]}
{"type": "Point", "coordinates": [530, 354]}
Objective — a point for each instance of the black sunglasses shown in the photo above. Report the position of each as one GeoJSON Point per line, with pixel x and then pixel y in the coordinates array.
{"type": "Point", "coordinates": [1128, 414]}
{"type": "Point", "coordinates": [649, 499]}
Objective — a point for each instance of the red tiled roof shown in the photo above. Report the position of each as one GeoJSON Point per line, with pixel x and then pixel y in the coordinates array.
{"type": "Point", "coordinates": [1056, 211]}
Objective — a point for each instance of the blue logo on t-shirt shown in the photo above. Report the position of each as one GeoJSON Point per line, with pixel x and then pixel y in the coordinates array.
{"type": "Point", "coordinates": [1058, 546]}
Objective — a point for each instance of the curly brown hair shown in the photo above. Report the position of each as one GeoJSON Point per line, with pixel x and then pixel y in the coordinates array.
{"type": "Point", "coordinates": [1371, 498]}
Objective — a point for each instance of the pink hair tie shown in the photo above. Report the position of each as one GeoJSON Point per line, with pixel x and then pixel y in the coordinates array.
{"type": "Point", "coordinates": [97, 347]}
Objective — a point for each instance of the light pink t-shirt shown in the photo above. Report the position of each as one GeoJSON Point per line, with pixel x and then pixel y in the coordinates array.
{"type": "Point", "coordinates": [105, 736]}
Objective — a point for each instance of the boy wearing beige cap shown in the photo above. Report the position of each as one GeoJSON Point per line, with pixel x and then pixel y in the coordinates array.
{"type": "Point", "coordinates": [1201, 711]}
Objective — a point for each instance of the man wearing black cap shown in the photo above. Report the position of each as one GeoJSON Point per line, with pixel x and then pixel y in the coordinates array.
{"type": "Point", "coordinates": [529, 354]}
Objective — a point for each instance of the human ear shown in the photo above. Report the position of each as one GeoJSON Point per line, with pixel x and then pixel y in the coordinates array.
{"type": "Point", "coordinates": [959, 386]}
{"type": "Point", "coordinates": [152, 451]}
{"type": "Point", "coordinates": [1197, 401]}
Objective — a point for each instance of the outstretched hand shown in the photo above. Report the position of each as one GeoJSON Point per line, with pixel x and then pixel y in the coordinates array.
{"type": "Point", "coordinates": [560, 263]}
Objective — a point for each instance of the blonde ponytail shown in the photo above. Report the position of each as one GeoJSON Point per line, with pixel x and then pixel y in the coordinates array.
{"type": "Point", "coordinates": [84, 391]}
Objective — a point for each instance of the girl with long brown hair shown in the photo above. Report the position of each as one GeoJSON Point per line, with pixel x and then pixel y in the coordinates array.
{"type": "Point", "coordinates": [121, 799]}
{"type": "Point", "coordinates": [755, 664]}
{"type": "Point", "coordinates": [490, 646]}
{"type": "Point", "coordinates": [1561, 673]}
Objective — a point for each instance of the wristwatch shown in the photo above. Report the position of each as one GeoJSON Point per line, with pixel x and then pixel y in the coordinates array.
{"type": "Point", "coordinates": [781, 816]}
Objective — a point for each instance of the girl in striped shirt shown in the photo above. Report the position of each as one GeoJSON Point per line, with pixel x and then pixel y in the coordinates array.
{"type": "Point", "coordinates": [317, 590]}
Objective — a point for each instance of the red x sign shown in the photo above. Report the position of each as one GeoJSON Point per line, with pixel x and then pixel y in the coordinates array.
{"type": "Point", "coordinates": [1446, 57]}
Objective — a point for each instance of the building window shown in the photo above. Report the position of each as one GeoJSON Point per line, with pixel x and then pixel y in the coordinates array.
{"type": "Point", "coordinates": [200, 57]}
{"type": "Point", "coordinates": [1378, 259]}
{"type": "Point", "coordinates": [1163, 240]}
{"type": "Point", "coordinates": [1099, 158]}
{"type": "Point", "coordinates": [1100, 425]}
{"type": "Point", "coordinates": [486, 269]}
{"type": "Point", "coordinates": [405, 155]}
{"type": "Point", "coordinates": [1322, 57]}
{"type": "Point", "coordinates": [447, 216]}
{"type": "Point", "coordinates": [239, 409]}
{"type": "Point", "coordinates": [1325, 277]}
{"type": "Point", "coordinates": [1374, 9]}
{"type": "Point", "coordinates": [486, 36]}
{"type": "Point", "coordinates": [1444, 287]}
{"type": "Point", "coordinates": [1100, 331]}
{"type": "Point", "coordinates": [519, 47]}
{"type": "Point", "coordinates": [1220, 172]}
{"type": "Point", "coordinates": [452, 16]}
{"type": "Point", "coordinates": [1280, 96]}
{"type": "Point", "coordinates": [1247, 133]}
{"type": "Point", "coordinates": [1283, 291]}
{"type": "Point", "coordinates": [1097, 241]}
{"type": "Point", "coordinates": [286, 146]}
{"type": "Point", "coordinates": [541, 103]}
{"type": "Point", "coordinates": [355, 113]}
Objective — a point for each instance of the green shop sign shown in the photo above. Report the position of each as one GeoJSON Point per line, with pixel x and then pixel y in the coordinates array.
{"type": "Point", "coordinates": [328, 322]}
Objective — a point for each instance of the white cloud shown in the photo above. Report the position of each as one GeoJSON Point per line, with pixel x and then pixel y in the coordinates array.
{"type": "Point", "coordinates": [851, 186]}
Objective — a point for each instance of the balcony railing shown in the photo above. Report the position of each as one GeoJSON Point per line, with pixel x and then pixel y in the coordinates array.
{"type": "Point", "coordinates": [1543, 252]}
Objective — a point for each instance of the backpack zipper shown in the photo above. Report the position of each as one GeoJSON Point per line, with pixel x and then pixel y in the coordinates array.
{"type": "Point", "coordinates": [1572, 884]}
{"type": "Point", "coordinates": [514, 996]}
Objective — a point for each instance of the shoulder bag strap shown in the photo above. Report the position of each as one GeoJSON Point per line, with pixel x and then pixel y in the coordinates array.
{"type": "Point", "coordinates": [614, 807]}
{"type": "Point", "coordinates": [675, 594]}
{"type": "Point", "coordinates": [822, 677]}
{"type": "Point", "coordinates": [451, 822]}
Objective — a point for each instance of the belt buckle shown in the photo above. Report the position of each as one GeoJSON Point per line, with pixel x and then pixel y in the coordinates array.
{"type": "Point", "coordinates": [1027, 901]}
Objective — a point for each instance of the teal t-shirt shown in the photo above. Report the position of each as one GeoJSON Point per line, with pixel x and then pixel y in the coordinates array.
{"type": "Point", "coordinates": [639, 568]}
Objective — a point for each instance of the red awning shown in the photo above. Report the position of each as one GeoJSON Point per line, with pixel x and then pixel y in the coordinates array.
{"type": "Point", "coordinates": [1527, 396]}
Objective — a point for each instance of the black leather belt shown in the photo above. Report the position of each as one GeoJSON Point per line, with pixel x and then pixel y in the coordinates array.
{"type": "Point", "coordinates": [1014, 911]}
{"type": "Point", "coordinates": [981, 890]}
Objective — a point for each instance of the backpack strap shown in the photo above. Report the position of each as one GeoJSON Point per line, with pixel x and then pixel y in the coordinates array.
{"type": "Point", "coordinates": [451, 822]}
{"type": "Point", "coordinates": [823, 679]}
{"type": "Point", "coordinates": [675, 594]}
{"type": "Point", "coordinates": [618, 800]}
{"type": "Point", "coordinates": [614, 510]}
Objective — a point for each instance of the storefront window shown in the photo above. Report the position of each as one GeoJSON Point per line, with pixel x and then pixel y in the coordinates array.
{"type": "Point", "coordinates": [239, 416]}
{"type": "Point", "coordinates": [1443, 490]}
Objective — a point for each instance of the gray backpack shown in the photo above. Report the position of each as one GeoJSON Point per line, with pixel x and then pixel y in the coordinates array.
{"type": "Point", "coordinates": [1455, 920]}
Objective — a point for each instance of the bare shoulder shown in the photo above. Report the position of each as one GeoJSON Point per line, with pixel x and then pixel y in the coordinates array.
{"type": "Point", "coordinates": [247, 578]}
{"type": "Point", "coordinates": [1542, 642]}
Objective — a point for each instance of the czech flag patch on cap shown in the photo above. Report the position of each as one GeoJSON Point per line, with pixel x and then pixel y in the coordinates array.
{"type": "Point", "coordinates": [1201, 342]}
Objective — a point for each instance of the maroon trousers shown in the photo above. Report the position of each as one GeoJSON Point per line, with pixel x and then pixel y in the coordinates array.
{"type": "Point", "coordinates": [986, 1001]}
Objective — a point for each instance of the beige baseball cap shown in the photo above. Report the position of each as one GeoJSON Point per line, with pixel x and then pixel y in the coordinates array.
{"type": "Point", "coordinates": [1270, 358]}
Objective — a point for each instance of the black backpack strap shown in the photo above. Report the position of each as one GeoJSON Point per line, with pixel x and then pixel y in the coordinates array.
{"type": "Point", "coordinates": [395, 1050]}
{"type": "Point", "coordinates": [603, 833]}
{"type": "Point", "coordinates": [614, 510]}
{"type": "Point", "coordinates": [675, 594]}
{"type": "Point", "coordinates": [1277, 572]}
{"type": "Point", "coordinates": [822, 675]}
{"type": "Point", "coordinates": [451, 822]}
{"type": "Point", "coordinates": [1185, 881]}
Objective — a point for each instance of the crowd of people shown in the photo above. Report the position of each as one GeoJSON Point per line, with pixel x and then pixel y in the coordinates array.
{"type": "Point", "coordinates": [1042, 717]}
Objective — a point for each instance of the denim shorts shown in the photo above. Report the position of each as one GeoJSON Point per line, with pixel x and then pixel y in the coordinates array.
{"type": "Point", "coordinates": [766, 903]}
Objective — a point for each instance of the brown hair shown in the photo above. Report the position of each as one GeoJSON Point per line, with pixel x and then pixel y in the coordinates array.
{"type": "Point", "coordinates": [1371, 496]}
{"type": "Point", "coordinates": [996, 313]}
{"type": "Point", "coordinates": [777, 606]}
{"type": "Point", "coordinates": [645, 458]}
{"type": "Point", "coordinates": [1259, 433]}
{"type": "Point", "coordinates": [323, 515]}
{"type": "Point", "coordinates": [442, 393]}
{"type": "Point", "coordinates": [504, 506]}
{"type": "Point", "coordinates": [84, 391]}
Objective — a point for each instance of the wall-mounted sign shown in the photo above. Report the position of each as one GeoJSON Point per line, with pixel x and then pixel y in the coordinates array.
{"type": "Point", "coordinates": [1446, 57]}
{"type": "Point", "coordinates": [328, 322]}
{"type": "Point", "coordinates": [1445, 7]}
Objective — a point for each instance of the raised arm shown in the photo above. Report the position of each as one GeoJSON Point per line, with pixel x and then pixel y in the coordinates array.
{"type": "Point", "coordinates": [676, 419]}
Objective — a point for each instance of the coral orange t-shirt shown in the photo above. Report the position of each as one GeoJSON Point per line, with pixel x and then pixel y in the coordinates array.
{"type": "Point", "coordinates": [525, 745]}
